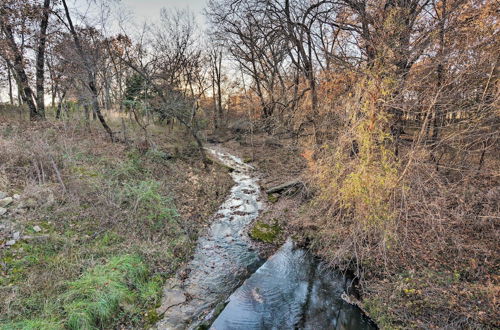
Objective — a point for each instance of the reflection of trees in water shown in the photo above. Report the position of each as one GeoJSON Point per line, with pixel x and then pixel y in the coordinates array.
{"type": "Point", "coordinates": [326, 309]}
{"type": "Point", "coordinates": [293, 290]}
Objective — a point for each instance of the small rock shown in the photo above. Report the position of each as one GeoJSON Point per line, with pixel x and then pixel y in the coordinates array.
{"type": "Point", "coordinates": [37, 229]}
{"type": "Point", "coordinates": [16, 235]}
{"type": "Point", "coordinates": [10, 243]}
{"type": "Point", "coordinates": [6, 201]}
{"type": "Point", "coordinates": [3, 195]}
{"type": "Point", "coordinates": [2, 211]}
{"type": "Point", "coordinates": [17, 196]}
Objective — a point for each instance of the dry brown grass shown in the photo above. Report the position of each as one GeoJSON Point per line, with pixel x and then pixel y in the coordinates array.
{"type": "Point", "coordinates": [440, 267]}
{"type": "Point", "coordinates": [95, 200]}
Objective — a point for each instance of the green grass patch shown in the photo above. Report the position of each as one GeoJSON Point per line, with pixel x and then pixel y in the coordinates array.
{"type": "Point", "coordinates": [145, 199]}
{"type": "Point", "coordinates": [119, 289]}
{"type": "Point", "coordinates": [94, 300]}
{"type": "Point", "coordinates": [35, 324]}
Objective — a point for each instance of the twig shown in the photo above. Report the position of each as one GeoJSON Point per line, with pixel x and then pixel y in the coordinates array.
{"type": "Point", "coordinates": [58, 174]}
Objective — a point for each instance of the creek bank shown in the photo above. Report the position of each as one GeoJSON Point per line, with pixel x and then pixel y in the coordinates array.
{"type": "Point", "coordinates": [428, 282]}
{"type": "Point", "coordinates": [292, 287]}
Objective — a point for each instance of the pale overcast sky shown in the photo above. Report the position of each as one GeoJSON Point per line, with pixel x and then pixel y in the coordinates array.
{"type": "Point", "coordinates": [150, 9]}
{"type": "Point", "coordinates": [143, 11]}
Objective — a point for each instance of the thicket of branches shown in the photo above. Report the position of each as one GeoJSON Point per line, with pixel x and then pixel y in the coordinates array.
{"type": "Point", "coordinates": [395, 102]}
{"type": "Point", "coordinates": [380, 87]}
{"type": "Point", "coordinates": [374, 87]}
{"type": "Point", "coordinates": [159, 72]}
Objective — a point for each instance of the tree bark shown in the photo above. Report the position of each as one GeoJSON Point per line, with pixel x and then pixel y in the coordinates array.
{"type": "Point", "coordinates": [438, 109]}
{"type": "Point", "coordinates": [25, 90]}
{"type": "Point", "coordinates": [9, 78]}
{"type": "Point", "coordinates": [285, 186]}
{"type": "Point", "coordinates": [218, 67]}
{"type": "Point", "coordinates": [59, 106]}
{"type": "Point", "coordinates": [40, 60]}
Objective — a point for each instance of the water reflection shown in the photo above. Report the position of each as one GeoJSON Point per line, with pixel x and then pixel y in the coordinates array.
{"type": "Point", "coordinates": [291, 291]}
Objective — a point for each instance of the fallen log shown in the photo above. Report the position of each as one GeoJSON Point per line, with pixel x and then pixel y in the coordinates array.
{"type": "Point", "coordinates": [285, 186]}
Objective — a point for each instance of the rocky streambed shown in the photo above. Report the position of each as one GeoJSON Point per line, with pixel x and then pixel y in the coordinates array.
{"type": "Point", "coordinates": [228, 286]}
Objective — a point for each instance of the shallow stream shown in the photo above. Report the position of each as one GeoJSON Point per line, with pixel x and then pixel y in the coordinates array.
{"type": "Point", "coordinates": [228, 286]}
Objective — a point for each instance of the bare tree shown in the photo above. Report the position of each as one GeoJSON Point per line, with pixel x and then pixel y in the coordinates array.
{"type": "Point", "coordinates": [89, 68]}
{"type": "Point", "coordinates": [215, 58]}
{"type": "Point", "coordinates": [168, 60]}
{"type": "Point", "coordinates": [40, 59]}
{"type": "Point", "coordinates": [12, 52]}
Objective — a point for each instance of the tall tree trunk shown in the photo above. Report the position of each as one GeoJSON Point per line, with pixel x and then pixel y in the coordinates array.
{"type": "Point", "coordinates": [218, 67]}
{"type": "Point", "coordinates": [90, 76]}
{"type": "Point", "coordinates": [25, 91]}
{"type": "Point", "coordinates": [107, 91]}
{"type": "Point", "coordinates": [59, 106]}
{"type": "Point", "coordinates": [9, 78]}
{"type": "Point", "coordinates": [86, 112]}
{"type": "Point", "coordinates": [216, 122]}
{"type": "Point", "coordinates": [53, 95]}
{"type": "Point", "coordinates": [54, 85]}
{"type": "Point", "coordinates": [40, 60]}
{"type": "Point", "coordinates": [438, 109]}
{"type": "Point", "coordinates": [19, 94]}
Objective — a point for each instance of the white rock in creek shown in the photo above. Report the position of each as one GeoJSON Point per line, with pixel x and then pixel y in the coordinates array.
{"type": "Point", "coordinates": [11, 242]}
{"type": "Point", "coordinates": [3, 195]}
{"type": "Point", "coordinates": [2, 211]}
{"type": "Point", "coordinates": [16, 235]}
{"type": "Point", "coordinates": [37, 229]}
{"type": "Point", "coordinates": [6, 201]}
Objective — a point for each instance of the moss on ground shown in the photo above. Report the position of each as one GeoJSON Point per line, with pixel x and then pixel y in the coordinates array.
{"type": "Point", "coordinates": [268, 233]}
{"type": "Point", "coordinates": [273, 198]}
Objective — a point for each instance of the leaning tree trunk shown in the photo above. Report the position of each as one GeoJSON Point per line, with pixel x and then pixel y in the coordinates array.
{"type": "Point", "coordinates": [90, 76]}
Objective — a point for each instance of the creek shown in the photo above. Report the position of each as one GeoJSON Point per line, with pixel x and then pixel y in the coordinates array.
{"type": "Point", "coordinates": [227, 285]}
